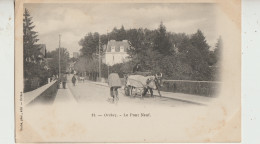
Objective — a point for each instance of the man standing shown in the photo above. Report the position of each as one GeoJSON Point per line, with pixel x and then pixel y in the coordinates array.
{"type": "Point", "coordinates": [64, 80]}
{"type": "Point", "coordinates": [137, 68]}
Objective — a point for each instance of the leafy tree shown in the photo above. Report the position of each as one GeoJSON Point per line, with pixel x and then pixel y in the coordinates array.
{"type": "Point", "coordinates": [198, 40]}
{"type": "Point", "coordinates": [54, 62]}
{"type": "Point", "coordinates": [161, 42]}
{"type": "Point", "coordinates": [174, 68]}
{"type": "Point", "coordinates": [118, 34]}
{"type": "Point", "coordinates": [215, 56]}
{"type": "Point", "coordinates": [35, 69]}
{"type": "Point", "coordinates": [218, 49]}
{"type": "Point", "coordinates": [73, 59]}
{"type": "Point", "coordinates": [135, 38]}
{"type": "Point", "coordinates": [177, 55]}
{"type": "Point", "coordinates": [89, 44]}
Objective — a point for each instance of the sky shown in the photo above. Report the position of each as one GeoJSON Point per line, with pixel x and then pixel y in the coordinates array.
{"type": "Point", "coordinates": [74, 21]}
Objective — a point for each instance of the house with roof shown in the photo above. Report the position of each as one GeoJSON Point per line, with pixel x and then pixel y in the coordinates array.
{"type": "Point", "coordinates": [42, 49]}
{"type": "Point", "coordinates": [115, 52]}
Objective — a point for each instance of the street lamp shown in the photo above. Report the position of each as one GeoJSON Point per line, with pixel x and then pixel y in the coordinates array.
{"type": "Point", "coordinates": [59, 55]}
{"type": "Point", "coordinates": [99, 60]}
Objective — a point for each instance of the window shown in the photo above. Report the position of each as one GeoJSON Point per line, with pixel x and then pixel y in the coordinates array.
{"type": "Point", "coordinates": [113, 48]}
{"type": "Point", "coordinates": [121, 48]}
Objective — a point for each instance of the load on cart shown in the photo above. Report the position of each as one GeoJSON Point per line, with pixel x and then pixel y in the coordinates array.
{"type": "Point", "coordinates": [139, 83]}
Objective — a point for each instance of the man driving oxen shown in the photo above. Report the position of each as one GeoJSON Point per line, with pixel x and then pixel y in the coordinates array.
{"type": "Point", "coordinates": [153, 83]}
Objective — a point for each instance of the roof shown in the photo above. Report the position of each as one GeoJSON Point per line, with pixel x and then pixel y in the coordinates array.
{"type": "Point", "coordinates": [117, 45]}
{"type": "Point", "coordinates": [42, 48]}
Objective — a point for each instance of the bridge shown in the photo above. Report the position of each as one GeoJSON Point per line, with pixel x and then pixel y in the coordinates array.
{"type": "Point", "coordinates": [89, 91]}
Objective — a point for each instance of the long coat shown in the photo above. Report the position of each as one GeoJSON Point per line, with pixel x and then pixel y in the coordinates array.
{"type": "Point", "coordinates": [64, 78]}
{"type": "Point", "coordinates": [73, 79]}
{"type": "Point", "coordinates": [114, 80]}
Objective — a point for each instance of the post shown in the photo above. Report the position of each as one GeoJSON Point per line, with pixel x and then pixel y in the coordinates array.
{"type": "Point", "coordinates": [59, 55]}
{"type": "Point", "coordinates": [99, 60]}
{"type": "Point", "coordinates": [107, 71]}
{"type": "Point", "coordinates": [106, 49]}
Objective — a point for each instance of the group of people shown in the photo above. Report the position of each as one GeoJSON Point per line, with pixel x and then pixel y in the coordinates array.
{"type": "Point", "coordinates": [63, 80]}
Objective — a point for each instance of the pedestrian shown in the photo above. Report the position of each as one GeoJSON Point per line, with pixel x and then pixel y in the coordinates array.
{"type": "Point", "coordinates": [137, 68]}
{"type": "Point", "coordinates": [64, 80]}
{"type": "Point", "coordinates": [73, 80]}
{"type": "Point", "coordinates": [114, 83]}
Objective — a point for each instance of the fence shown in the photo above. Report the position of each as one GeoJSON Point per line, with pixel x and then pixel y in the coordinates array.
{"type": "Point", "coordinates": [204, 88]}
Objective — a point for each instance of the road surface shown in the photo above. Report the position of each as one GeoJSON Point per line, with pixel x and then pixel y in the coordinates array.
{"type": "Point", "coordinates": [89, 92]}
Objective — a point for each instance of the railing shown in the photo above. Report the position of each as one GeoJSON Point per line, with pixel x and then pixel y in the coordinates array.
{"type": "Point", "coordinates": [205, 88]}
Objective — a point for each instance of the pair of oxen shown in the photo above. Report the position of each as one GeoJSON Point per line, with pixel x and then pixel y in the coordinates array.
{"type": "Point", "coordinates": [139, 84]}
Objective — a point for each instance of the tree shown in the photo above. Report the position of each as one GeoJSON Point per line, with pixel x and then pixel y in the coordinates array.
{"type": "Point", "coordinates": [218, 49]}
{"type": "Point", "coordinates": [194, 51]}
{"type": "Point", "coordinates": [199, 42]}
{"type": "Point", "coordinates": [35, 69]}
{"type": "Point", "coordinates": [30, 48]}
{"type": "Point", "coordinates": [161, 42]}
{"type": "Point", "coordinates": [118, 34]}
{"type": "Point", "coordinates": [135, 38]}
{"type": "Point", "coordinates": [177, 55]}
{"type": "Point", "coordinates": [89, 44]}
{"type": "Point", "coordinates": [54, 62]}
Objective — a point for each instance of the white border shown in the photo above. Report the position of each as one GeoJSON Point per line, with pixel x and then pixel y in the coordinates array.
{"type": "Point", "coordinates": [250, 71]}
{"type": "Point", "coordinates": [7, 71]}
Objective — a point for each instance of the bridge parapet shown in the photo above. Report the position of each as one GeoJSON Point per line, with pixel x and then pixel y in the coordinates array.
{"type": "Point", "coordinates": [202, 88]}
{"type": "Point", "coordinates": [33, 95]}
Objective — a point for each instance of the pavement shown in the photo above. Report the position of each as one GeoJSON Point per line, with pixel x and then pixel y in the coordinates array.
{"type": "Point", "coordinates": [64, 95]}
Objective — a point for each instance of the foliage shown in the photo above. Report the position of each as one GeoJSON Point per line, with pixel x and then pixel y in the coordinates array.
{"type": "Point", "coordinates": [53, 64]}
{"type": "Point", "coordinates": [161, 42]}
{"type": "Point", "coordinates": [176, 55]}
{"type": "Point", "coordinates": [218, 49]}
{"type": "Point", "coordinates": [31, 49]}
{"type": "Point", "coordinates": [35, 68]}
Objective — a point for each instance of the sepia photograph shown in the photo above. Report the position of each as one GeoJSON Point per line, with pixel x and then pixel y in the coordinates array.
{"type": "Point", "coordinates": [127, 71]}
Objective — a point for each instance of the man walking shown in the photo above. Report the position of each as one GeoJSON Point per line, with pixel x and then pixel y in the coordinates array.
{"type": "Point", "coordinates": [73, 80]}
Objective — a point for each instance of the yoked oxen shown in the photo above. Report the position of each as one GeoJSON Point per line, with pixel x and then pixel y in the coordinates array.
{"type": "Point", "coordinates": [140, 85]}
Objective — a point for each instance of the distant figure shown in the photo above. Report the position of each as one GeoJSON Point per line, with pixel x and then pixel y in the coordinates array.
{"type": "Point", "coordinates": [64, 80]}
{"type": "Point", "coordinates": [114, 83]}
{"type": "Point", "coordinates": [137, 68]}
{"type": "Point", "coordinates": [73, 80]}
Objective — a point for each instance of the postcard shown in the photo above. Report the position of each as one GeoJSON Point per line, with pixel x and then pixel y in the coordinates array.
{"type": "Point", "coordinates": [113, 71]}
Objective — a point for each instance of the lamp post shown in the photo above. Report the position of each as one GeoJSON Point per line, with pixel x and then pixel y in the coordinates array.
{"type": "Point", "coordinates": [59, 55]}
{"type": "Point", "coordinates": [99, 60]}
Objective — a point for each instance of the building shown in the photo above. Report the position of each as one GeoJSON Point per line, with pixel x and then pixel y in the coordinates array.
{"type": "Point", "coordinates": [42, 48]}
{"type": "Point", "coordinates": [42, 54]}
{"type": "Point", "coordinates": [115, 52]}
{"type": "Point", "coordinates": [75, 55]}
